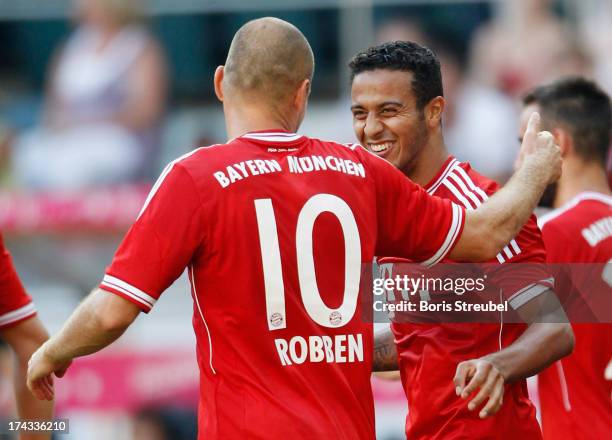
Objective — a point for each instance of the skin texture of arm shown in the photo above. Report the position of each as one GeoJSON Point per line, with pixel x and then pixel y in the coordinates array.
{"type": "Point", "coordinates": [25, 338]}
{"type": "Point", "coordinates": [497, 221]}
{"type": "Point", "coordinates": [97, 322]}
{"type": "Point", "coordinates": [385, 353]}
{"type": "Point", "coordinates": [546, 340]}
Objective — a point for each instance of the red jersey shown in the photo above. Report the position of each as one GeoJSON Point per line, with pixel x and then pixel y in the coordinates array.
{"type": "Point", "coordinates": [15, 304]}
{"type": "Point", "coordinates": [262, 223]}
{"type": "Point", "coordinates": [429, 353]}
{"type": "Point", "coordinates": [574, 395]}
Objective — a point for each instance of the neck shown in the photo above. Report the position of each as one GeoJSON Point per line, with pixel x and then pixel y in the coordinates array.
{"type": "Point", "coordinates": [429, 160]}
{"type": "Point", "coordinates": [577, 177]}
{"type": "Point", "coordinates": [106, 35]}
{"type": "Point", "coordinates": [241, 119]}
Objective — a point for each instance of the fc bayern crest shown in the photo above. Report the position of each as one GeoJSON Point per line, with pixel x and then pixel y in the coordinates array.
{"type": "Point", "coordinates": [335, 318]}
{"type": "Point", "coordinates": [276, 319]}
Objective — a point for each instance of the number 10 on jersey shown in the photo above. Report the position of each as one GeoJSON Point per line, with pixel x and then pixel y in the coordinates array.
{"type": "Point", "coordinates": [316, 309]}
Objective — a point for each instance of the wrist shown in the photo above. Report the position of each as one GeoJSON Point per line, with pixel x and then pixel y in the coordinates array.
{"type": "Point", "coordinates": [52, 353]}
{"type": "Point", "coordinates": [499, 365]}
{"type": "Point", "coordinates": [537, 170]}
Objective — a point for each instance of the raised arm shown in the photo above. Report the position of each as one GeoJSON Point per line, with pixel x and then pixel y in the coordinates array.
{"type": "Point", "coordinates": [497, 221]}
{"type": "Point", "coordinates": [25, 338]}
{"type": "Point", "coordinates": [98, 321]}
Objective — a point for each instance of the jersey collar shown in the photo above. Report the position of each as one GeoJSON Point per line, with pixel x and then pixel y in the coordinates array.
{"type": "Point", "coordinates": [276, 136]}
{"type": "Point", "coordinates": [441, 175]}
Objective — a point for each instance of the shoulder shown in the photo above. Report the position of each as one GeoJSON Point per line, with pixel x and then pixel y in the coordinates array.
{"type": "Point", "coordinates": [375, 166]}
{"type": "Point", "coordinates": [205, 159]}
{"type": "Point", "coordinates": [463, 185]}
{"type": "Point", "coordinates": [580, 210]}
{"type": "Point", "coordinates": [488, 185]}
{"type": "Point", "coordinates": [193, 164]}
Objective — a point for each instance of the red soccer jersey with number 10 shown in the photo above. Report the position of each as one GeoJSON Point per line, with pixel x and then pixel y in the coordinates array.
{"type": "Point", "coordinates": [15, 304]}
{"type": "Point", "coordinates": [263, 225]}
{"type": "Point", "coordinates": [574, 395]}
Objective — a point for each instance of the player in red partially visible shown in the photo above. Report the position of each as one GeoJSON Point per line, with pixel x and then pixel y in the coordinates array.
{"type": "Point", "coordinates": [23, 331]}
{"type": "Point", "coordinates": [397, 107]}
{"type": "Point", "coordinates": [261, 223]}
{"type": "Point", "coordinates": [574, 394]}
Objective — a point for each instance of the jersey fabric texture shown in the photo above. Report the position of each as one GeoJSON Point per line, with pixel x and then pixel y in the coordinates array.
{"type": "Point", "coordinates": [15, 304]}
{"type": "Point", "coordinates": [575, 396]}
{"type": "Point", "coordinates": [262, 224]}
{"type": "Point", "coordinates": [429, 353]}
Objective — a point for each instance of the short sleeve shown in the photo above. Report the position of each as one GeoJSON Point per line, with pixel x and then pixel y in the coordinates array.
{"type": "Point", "coordinates": [411, 223]}
{"type": "Point", "coordinates": [161, 243]}
{"type": "Point", "coordinates": [15, 304]}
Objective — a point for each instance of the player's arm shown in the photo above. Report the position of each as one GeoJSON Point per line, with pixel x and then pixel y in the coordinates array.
{"type": "Point", "coordinates": [385, 353]}
{"type": "Point", "coordinates": [545, 340]}
{"type": "Point", "coordinates": [98, 321]}
{"type": "Point", "coordinates": [25, 338]}
{"type": "Point", "coordinates": [497, 221]}
{"type": "Point", "coordinates": [153, 254]}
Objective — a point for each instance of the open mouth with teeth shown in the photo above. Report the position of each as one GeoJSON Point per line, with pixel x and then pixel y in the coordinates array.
{"type": "Point", "coordinates": [380, 147]}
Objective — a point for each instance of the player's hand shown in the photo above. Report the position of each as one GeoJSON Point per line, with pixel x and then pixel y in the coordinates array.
{"type": "Point", "coordinates": [41, 368]}
{"type": "Point", "coordinates": [539, 148]}
{"type": "Point", "coordinates": [480, 374]}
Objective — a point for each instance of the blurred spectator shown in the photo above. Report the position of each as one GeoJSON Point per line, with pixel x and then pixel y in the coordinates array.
{"type": "Point", "coordinates": [595, 23]}
{"type": "Point", "coordinates": [525, 45]}
{"type": "Point", "coordinates": [401, 29]}
{"type": "Point", "coordinates": [105, 98]}
{"type": "Point", "coordinates": [479, 120]}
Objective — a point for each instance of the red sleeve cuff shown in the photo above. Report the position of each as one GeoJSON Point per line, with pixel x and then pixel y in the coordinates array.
{"type": "Point", "coordinates": [127, 291]}
{"type": "Point", "coordinates": [18, 315]}
{"type": "Point", "coordinates": [452, 237]}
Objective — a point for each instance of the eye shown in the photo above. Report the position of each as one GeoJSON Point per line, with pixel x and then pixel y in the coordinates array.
{"type": "Point", "coordinates": [388, 111]}
{"type": "Point", "coordinates": [359, 114]}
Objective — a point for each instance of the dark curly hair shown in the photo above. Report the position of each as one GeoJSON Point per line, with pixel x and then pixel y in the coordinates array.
{"type": "Point", "coordinates": [405, 56]}
{"type": "Point", "coordinates": [582, 108]}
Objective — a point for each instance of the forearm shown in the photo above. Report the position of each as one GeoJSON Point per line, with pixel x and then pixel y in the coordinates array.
{"type": "Point", "coordinates": [539, 346]}
{"type": "Point", "coordinates": [497, 221]}
{"type": "Point", "coordinates": [28, 406]}
{"type": "Point", "coordinates": [97, 322]}
{"type": "Point", "coordinates": [25, 338]}
{"type": "Point", "coordinates": [385, 353]}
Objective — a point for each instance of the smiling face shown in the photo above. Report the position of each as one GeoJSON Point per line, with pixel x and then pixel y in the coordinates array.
{"type": "Point", "coordinates": [386, 118]}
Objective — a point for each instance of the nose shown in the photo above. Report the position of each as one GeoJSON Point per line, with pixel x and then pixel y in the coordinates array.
{"type": "Point", "coordinates": [373, 127]}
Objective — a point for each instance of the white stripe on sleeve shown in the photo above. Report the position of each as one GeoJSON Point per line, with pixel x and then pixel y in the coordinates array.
{"type": "Point", "coordinates": [528, 293]}
{"type": "Point", "coordinates": [129, 290]}
{"type": "Point", "coordinates": [17, 315]}
{"type": "Point", "coordinates": [450, 239]}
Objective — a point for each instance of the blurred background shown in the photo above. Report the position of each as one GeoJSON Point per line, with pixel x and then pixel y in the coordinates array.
{"type": "Point", "coordinates": [96, 96]}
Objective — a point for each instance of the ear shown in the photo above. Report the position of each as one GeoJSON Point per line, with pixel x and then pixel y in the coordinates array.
{"type": "Point", "coordinates": [564, 140]}
{"type": "Point", "coordinates": [218, 81]}
{"type": "Point", "coordinates": [433, 111]}
{"type": "Point", "coordinates": [302, 94]}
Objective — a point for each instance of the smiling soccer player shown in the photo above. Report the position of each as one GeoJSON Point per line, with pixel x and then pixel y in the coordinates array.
{"type": "Point", "coordinates": [397, 105]}
{"type": "Point", "coordinates": [262, 251]}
